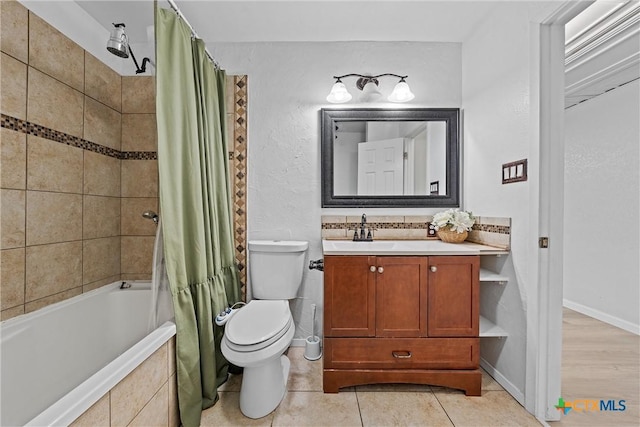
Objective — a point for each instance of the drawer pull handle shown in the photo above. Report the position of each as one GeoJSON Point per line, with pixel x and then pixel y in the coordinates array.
{"type": "Point", "coordinates": [433, 268]}
{"type": "Point", "coordinates": [380, 270]}
{"type": "Point", "coordinates": [401, 354]}
{"type": "Point", "coordinates": [372, 268]}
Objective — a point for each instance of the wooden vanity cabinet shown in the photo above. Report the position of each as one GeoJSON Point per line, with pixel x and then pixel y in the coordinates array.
{"type": "Point", "coordinates": [401, 319]}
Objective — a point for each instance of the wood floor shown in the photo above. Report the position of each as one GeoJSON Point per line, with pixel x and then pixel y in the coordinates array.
{"type": "Point", "coordinates": [599, 361]}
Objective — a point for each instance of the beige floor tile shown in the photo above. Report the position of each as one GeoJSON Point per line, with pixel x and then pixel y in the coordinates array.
{"type": "Point", "coordinates": [304, 375]}
{"type": "Point", "coordinates": [488, 383]}
{"type": "Point", "coordinates": [311, 408]}
{"type": "Point", "coordinates": [233, 383]}
{"type": "Point", "coordinates": [226, 412]}
{"type": "Point", "coordinates": [401, 409]}
{"type": "Point", "coordinates": [493, 408]}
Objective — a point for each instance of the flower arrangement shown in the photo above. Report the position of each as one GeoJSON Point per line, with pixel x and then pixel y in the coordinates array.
{"type": "Point", "coordinates": [453, 221]}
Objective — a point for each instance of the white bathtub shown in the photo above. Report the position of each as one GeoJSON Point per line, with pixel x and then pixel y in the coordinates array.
{"type": "Point", "coordinates": [58, 361]}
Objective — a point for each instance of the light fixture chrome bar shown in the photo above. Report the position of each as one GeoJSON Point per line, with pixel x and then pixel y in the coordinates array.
{"type": "Point", "coordinates": [177, 10]}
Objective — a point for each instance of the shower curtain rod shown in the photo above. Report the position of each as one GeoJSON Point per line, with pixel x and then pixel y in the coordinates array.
{"type": "Point", "coordinates": [193, 32]}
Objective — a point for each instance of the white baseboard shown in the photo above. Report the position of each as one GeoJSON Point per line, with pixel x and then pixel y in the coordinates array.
{"type": "Point", "coordinates": [602, 316]}
{"type": "Point", "coordinates": [298, 342]}
{"type": "Point", "coordinates": [503, 381]}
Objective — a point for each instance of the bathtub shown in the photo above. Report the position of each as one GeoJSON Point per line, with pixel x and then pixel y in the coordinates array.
{"type": "Point", "coordinates": [58, 361]}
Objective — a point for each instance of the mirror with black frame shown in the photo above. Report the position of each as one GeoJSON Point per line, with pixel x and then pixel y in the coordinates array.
{"type": "Point", "coordinates": [390, 158]}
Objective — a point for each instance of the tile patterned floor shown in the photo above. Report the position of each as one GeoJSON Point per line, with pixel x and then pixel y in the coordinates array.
{"type": "Point", "coordinates": [373, 405]}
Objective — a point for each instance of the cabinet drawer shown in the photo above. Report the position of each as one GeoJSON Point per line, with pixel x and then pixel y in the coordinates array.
{"type": "Point", "coordinates": [401, 353]}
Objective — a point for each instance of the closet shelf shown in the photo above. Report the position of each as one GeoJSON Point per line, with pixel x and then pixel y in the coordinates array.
{"type": "Point", "coordinates": [490, 329]}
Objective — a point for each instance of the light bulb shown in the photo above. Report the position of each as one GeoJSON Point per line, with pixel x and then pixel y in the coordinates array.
{"type": "Point", "coordinates": [339, 94]}
{"type": "Point", "coordinates": [401, 93]}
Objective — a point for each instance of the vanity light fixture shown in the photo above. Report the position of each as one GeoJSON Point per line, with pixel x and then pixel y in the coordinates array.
{"type": "Point", "coordinates": [369, 87]}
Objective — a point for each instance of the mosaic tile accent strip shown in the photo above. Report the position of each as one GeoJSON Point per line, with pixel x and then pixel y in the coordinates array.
{"type": "Point", "coordinates": [29, 128]}
{"type": "Point", "coordinates": [239, 164]}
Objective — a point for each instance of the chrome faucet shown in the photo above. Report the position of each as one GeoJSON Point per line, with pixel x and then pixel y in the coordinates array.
{"type": "Point", "coordinates": [364, 234]}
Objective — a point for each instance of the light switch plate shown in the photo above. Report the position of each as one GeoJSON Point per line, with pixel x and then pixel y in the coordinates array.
{"type": "Point", "coordinates": [514, 171]}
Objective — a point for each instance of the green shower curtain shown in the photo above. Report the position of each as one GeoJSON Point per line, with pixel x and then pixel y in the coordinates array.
{"type": "Point", "coordinates": [195, 207]}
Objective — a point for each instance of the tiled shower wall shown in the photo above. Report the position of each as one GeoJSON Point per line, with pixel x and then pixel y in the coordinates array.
{"type": "Point", "coordinates": [78, 168]}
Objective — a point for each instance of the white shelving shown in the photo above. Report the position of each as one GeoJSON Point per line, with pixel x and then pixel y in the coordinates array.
{"type": "Point", "coordinates": [490, 329]}
{"type": "Point", "coordinates": [490, 276]}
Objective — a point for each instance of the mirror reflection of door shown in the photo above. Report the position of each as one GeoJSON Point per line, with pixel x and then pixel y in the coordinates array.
{"type": "Point", "coordinates": [380, 167]}
{"type": "Point", "coordinates": [422, 158]}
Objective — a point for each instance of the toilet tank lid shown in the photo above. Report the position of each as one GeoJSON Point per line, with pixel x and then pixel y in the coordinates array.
{"type": "Point", "coordinates": [278, 245]}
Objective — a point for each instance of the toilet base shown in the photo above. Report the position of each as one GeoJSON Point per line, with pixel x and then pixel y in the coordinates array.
{"type": "Point", "coordinates": [263, 387]}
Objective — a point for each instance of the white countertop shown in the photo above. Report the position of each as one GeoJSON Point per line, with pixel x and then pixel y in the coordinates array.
{"type": "Point", "coordinates": [406, 247]}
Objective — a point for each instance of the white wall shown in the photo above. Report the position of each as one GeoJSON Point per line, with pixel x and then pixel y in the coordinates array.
{"type": "Point", "coordinates": [498, 128]}
{"type": "Point", "coordinates": [288, 84]}
{"type": "Point", "coordinates": [602, 197]}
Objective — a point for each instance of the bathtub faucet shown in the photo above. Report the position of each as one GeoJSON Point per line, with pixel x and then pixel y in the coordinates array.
{"type": "Point", "coordinates": [125, 285]}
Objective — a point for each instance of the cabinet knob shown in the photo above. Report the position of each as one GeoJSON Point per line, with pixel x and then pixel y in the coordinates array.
{"type": "Point", "coordinates": [433, 268]}
{"type": "Point", "coordinates": [380, 270]}
{"type": "Point", "coordinates": [372, 268]}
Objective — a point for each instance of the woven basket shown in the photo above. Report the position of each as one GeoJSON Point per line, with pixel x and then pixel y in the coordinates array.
{"type": "Point", "coordinates": [449, 236]}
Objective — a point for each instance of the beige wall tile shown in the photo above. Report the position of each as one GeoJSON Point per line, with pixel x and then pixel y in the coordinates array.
{"type": "Point", "coordinates": [102, 83]}
{"type": "Point", "coordinates": [13, 87]}
{"type": "Point", "coordinates": [100, 283]}
{"type": "Point", "coordinates": [52, 299]}
{"type": "Point", "coordinates": [52, 269]}
{"type": "Point", "coordinates": [53, 104]}
{"type": "Point", "coordinates": [11, 312]}
{"type": "Point", "coordinates": [333, 219]}
{"type": "Point", "coordinates": [101, 217]}
{"type": "Point", "coordinates": [55, 54]}
{"type": "Point", "coordinates": [12, 276]}
{"type": "Point", "coordinates": [97, 415]}
{"type": "Point", "coordinates": [131, 394]}
{"type": "Point", "coordinates": [14, 30]}
{"type": "Point", "coordinates": [53, 217]}
{"type": "Point", "coordinates": [132, 222]}
{"type": "Point", "coordinates": [139, 178]}
{"type": "Point", "coordinates": [101, 174]}
{"type": "Point", "coordinates": [418, 218]}
{"type": "Point", "coordinates": [137, 254]}
{"type": "Point", "coordinates": [102, 124]}
{"type": "Point", "coordinates": [156, 412]}
{"type": "Point", "coordinates": [53, 166]}
{"type": "Point", "coordinates": [139, 132]}
{"type": "Point", "coordinates": [12, 226]}
{"type": "Point", "coordinates": [400, 234]}
{"type": "Point", "coordinates": [335, 234]}
{"type": "Point", "coordinates": [138, 94]}
{"type": "Point", "coordinates": [174, 412]}
{"type": "Point", "coordinates": [171, 356]}
{"type": "Point", "coordinates": [100, 259]}
{"type": "Point", "coordinates": [13, 163]}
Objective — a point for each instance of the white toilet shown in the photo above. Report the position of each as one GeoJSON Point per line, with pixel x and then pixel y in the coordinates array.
{"type": "Point", "coordinates": [257, 335]}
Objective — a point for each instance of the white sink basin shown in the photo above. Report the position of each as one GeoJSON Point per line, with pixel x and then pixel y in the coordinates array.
{"type": "Point", "coordinates": [396, 247]}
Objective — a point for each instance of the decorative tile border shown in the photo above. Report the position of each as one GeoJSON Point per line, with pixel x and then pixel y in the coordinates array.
{"type": "Point", "coordinates": [239, 185]}
{"type": "Point", "coordinates": [487, 230]}
{"type": "Point", "coordinates": [29, 128]}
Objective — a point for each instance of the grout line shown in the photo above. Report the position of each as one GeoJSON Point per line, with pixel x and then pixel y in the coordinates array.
{"type": "Point", "coordinates": [445, 411]}
{"type": "Point", "coordinates": [355, 390]}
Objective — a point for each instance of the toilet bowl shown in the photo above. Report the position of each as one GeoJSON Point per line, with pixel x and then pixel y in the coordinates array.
{"type": "Point", "coordinates": [256, 338]}
{"type": "Point", "coordinates": [258, 334]}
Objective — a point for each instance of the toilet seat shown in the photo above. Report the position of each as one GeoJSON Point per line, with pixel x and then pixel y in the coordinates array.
{"type": "Point", "coordinates": [258, 324]}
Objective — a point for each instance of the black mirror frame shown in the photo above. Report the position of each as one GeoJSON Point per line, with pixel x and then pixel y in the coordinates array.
{"type": "Point", "coordinates": [450, 115]}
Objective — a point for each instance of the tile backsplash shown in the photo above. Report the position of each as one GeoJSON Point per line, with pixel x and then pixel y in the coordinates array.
{"type": "Point", "coordinates": [491, 231]}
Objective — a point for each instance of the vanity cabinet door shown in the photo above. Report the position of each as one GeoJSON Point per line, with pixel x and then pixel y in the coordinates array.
{"type": "Point", "coordinates": [401, 297]}
{"type": "Point", "coordinates": [349, 296]}
{"type": "Point", "coordinates": [453, 296]}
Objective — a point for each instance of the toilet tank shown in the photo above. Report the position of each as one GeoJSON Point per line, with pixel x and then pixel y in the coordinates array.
{"type": "Point", "coordinates": [275, 268]}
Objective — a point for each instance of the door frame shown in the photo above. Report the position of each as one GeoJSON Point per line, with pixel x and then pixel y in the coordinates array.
{"type": "Point", "coordinates": [544, 316]}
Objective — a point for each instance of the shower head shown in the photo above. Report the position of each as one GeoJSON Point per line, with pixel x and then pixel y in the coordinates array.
{"type": "Point", "coordinates": [118, 43]}
{"type": "Point", "coordinates": [150, 215]}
